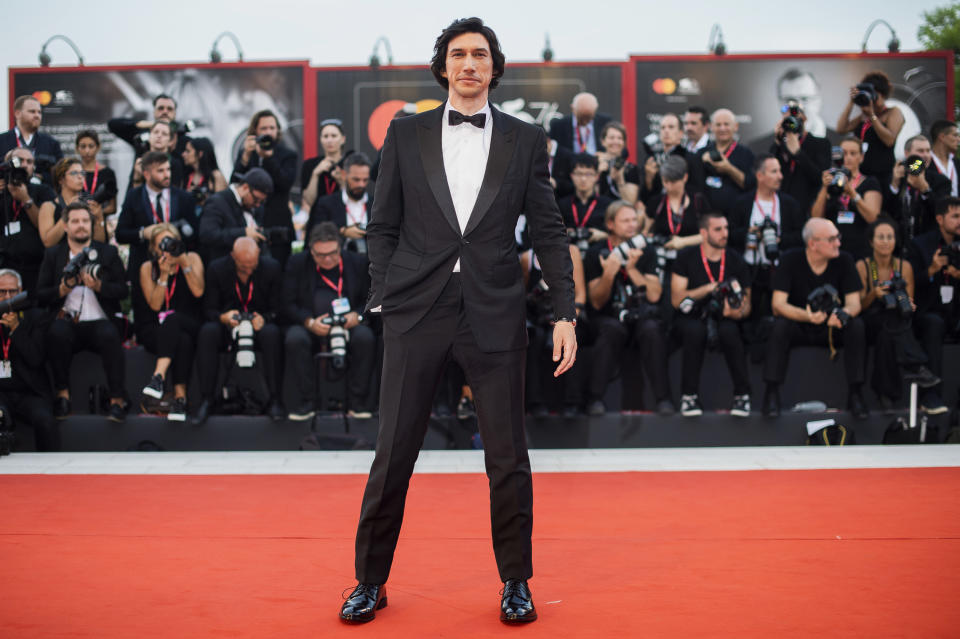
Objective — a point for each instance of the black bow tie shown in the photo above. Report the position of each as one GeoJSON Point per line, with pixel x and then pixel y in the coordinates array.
{"type": "Point", "coordinates": [478, 120]}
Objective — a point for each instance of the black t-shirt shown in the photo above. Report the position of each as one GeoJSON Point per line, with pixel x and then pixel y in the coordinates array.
{"type": "Point", "coordinates": [592, 269]}
{"type": "Point", "coordinates": [589, 214]}
{"type": "Point", "coordinates": [852, 226]}
{"type": "Point", "coordinates": [720, 189]}
{"type": "Point", "coordinates": [689, 218]}
{"type": "Point", "coordinates": [795, 277]}
{"type": "Point", "coordinates": [104, 176]}
{"type": "Point", "coordinates": [689, 264]}
{"type": "Point", "coordinates": [326, 183]}
{"type": "Point", "coordinates": [608, 187]}
{"type": "Point", "coordinates": [24, 247]}
{"type": "Point", "coordinates": [323, 293]}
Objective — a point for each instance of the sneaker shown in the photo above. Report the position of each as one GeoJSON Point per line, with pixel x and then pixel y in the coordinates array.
{"type": "Point", "coordinates": [932, 404]}
{"type": "Point", "coordinates": [741, 406]}
{"type": "Point", "coordinates": [690, 406]}
{"type": "Point", "coordinates": [178, 410]}
{"type": "Point", "coordinates": [465, 409]}
{"type": "Point", "coordinates": [359, 414]}
{"type": "Point", "coordinates": [665, 407]}
{"type": "Point", "coordinates": [303, 412]}
{"type": "Point", "coordinates": [155, 388]}
{"type": "Point", "coordinates": [117, 413]}
{"type": "Point", "coordinates": [921, 376]}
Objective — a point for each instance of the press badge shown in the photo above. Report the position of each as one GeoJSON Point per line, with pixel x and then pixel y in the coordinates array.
{"type": "Point", "coordinates": [946, 294]}
{"type": "Point", "coordinates": [13, 227]}
{"type": "Point", "coordinates": [846, 217]}
{"type": "Point", "coordinates": [163, 315]}
{"type": "Point", "coordinates": [341, 306]}
{"type": "Point", "coordinates": [714, 182]}
{"type": "Point", "coordinates": [6, 369]}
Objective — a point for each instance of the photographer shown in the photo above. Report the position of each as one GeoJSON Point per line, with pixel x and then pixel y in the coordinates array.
{"type": "Point", "coordinates": [322, 176]}
{"type": "Point", "coordinates": [849, 199]}
{"type": "Point", "coordinates": [668, 144]}
{"type": "Point", "coordinates": [161, 140]}
{"type": "Point", "coordinates": [241, 288]}
{"type": "Point", "coordinates": [876, 126]}
{"type": "Point", "coordinates": [945, 139]}
{"type": "Point", "coordinates": [348, 208]}
{"type": "Point", "coordinates": [25, 134]}
{"type": "Point", "coordinates": [809, 313]}
{"type": "Point", "coordinates": [264, 148]}
{"type": "Point", "coordinates": [710, 288]}
{"type": "Point", "coordinates": [233, 213]}
{"type": "Point", "coordinates": [696, 129]}
{"type": "Point", "coordinates": [320, 289]}
{"type": "Point", "coordinates": [172, 285]}
{"type": "Point", "coordinates": [623, 290]}
{"type": "Point", "coordinates": [135, 132]}
{"type": "Point", "coordinates": [583, 211]}
{"type": "Point", "coordinates": [727, 164]}
{"type": "Point", "coordinates": [24, 386]}
{"type": "Point", "coordinates": [100, 182]}
{"type": "Point", "coordinates": [935, 258]}
{"type": "Point", "coordinates": [887, 303]}
{"type": "Point", "coordinates": [619, 179]}
{"type": "Point", "coordinates": [203, 172]}
{"type": "Point", "coordinates": [803, 156]}
{"type": "Point", "coordinates": [68, 176]}
{"type": "Point", "coordinates": [83, 282]}
{"type": "Point", "coordinates": [674, 214]}
{"type": "Point", "coordinates": [915, 188]}
{"type": "Point", "coordinates": [21, 203]}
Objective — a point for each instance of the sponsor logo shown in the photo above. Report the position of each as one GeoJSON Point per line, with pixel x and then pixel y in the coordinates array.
{"type": "Point", "coordinates": [664, 86]}
{"type": "Point", "coordinates": [43, 97]}
{"type": "Point", "coordinates": [63, 98]}
{"type": "Point", "coordinates": [688, 86]}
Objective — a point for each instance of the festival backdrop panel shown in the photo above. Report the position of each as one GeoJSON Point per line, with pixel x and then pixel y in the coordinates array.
{"type": "Point", "coordinates": [367, 99]}
{"type": "Point", "coordinates": [219, 99]}
{"type": "Point", "coordinates": [755, 89]}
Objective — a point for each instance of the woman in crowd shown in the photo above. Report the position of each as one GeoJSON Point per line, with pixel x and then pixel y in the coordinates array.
{"type": "Point", "coordinates": [69, 177]}
{"type": "Point", "coordinates": [675, 214]}
{"type": "Point", "coordinates": [203, 173]}
{"type": "Point", "coordinates": [172, 284]}
{"type": "Point", "coordinates": [321, 175]}
{"type": "Point", "coordinates": [877, 126]}
{"type": "Point", "coordinates": [99, 181]}
{"type": "Point", "coordinates": [161, 139]}
{"type": "Point", "coordinates": [619, 179]}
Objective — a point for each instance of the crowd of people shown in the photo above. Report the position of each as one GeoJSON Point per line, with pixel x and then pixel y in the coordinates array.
{"type": "Point", "coordinates": [699, 244]}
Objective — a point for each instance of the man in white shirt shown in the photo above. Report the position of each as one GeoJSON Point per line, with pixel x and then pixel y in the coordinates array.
{"type": "Point", "coordinates": [946, 139]}
{"type": "Point", "coordinates": [350, 207]}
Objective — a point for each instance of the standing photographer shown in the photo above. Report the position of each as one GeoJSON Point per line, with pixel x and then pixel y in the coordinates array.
{"type": "Point", "coordinates": [809, 313]}
{"type": "Point", "coordinates": [915, 188]}
{"type": "Point", "coordinates": [68, 176]}
{"type": "Point", "coordinates": [670, 145]}
{"type": "Point", "coordinates": [100, 182]}
{"type": "Point", "coordinates": [21, 204]}
{"type": "Point", "coordinates": [28, 114]}
{"type": "Point", "coordinates": [803, 156]}
{"type": "Point", "coordinates": [876, 126]}
{"type": "Point", "coordinates": [263, 148]}
{"type": "Point", "coordinates": [83, 281]}
{"type": "Point", "coordinates": [203, 172]}
{"type": "Point", "coordinates": [727, 163]}
{"type": "Point", "coordinates": [619, 179]}
{"type": "Point", "coordinates": [132, 130]}
{"type": "Point", "coordinates": [162, 139]}
{"type": "Point", "coordinates": [322, 176]}
{"type": "Point", "coordinates": [348, 208]}
{"type": "Point", "coordinates": [710, 288]}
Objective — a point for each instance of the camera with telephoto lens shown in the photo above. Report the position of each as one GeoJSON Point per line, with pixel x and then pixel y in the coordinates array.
{"type": "Point", "coordinates": [337, 339]}
{"type": "Point", "coordinates": [276, 234]}
{"type": "Point", "coordinates": [768, 237]}
{"type": "Point", "coordinates": [13, 173]}
{"type": "Point", "coordinates": [266, 141]}
{"type": "Point", "coordinates": [826, 299]}
{"type": "Point", "coordinates": [579, 236]}
{"type": "Point", "coordinates": [711, 307]}
{"type": "Point", "coordinates": [184, 127]}
{"type": "Point", "coordinates": [792, 124]}
{"type": "Point", "coordinates": [101, 195]}
{"type": "Point", "coordinates": [17, 303]}
{"type": "Point", "coordinates": [243, 340]}
{"type": "Point", "coordinates": [83, 262]}
{"type": "Point", "coordinates": [914, 165]}
{"type": "Point", "coordinates": [897, 299]}
{"type": "Point", "coordinates": [173, 246]}
{"type": "Point", "coordinates": [200, 194]}
{"type": "Point", "coordinates": [632, 306]}
{"type": "Point", "coordinates": [866, 94]}
{"type": "Point", "coordinates": [839, 176]}
{"type": "Point", "coordinates": [622, 249]}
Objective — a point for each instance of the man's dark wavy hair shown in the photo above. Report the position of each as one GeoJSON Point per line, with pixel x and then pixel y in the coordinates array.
{"type": "Point", "coordinates": [458, 27]}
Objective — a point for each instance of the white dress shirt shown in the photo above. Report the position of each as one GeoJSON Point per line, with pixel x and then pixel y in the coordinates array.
{"type": "Point", "coordinates": [760, 212]}
{"type": "Point", "coordinates": [356, 209]}
{"type": "Point", "coordinates": [82, 301]}
{"type": "Point", "coordinates": [164, 211]}
{"type": "Point", "coordinates": [950, 170]}
{"type": "Point", "coordinates": [465, 151]}
{"type": "Point", "coordinates": [247, 215]}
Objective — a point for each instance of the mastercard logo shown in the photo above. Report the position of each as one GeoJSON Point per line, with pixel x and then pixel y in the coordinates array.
{"type": "Point", "coordinates": [664, 86]}
{"type": "Point", "coordinates": [380, 119]}
{"type": "Point", "coordinates": [43, 97]}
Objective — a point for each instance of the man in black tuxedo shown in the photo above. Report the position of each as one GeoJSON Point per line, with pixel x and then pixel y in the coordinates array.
{"type": "Point", "coordinates": [446, 278]}
{"type": "Point", "coordinates": [234, 212]}
{"type": "Point", "coordinates": [579, 132]}
{"type": "Point", "coordinates": [944, 142]}
{"type": "Point", "coordinates": [46, 150]}
{"type": "Point", "coordinates": [349, 207]}
{"type": "Point", "coordinates": [913, 195]}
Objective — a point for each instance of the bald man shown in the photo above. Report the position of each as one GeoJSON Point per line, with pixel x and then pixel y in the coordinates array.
{"type": "Point", "coordinates": [800, 272]}
{"type": "Point", "coordinates": [580, 131]}
{"type": "Point", "coordinates": [728, 165]}
{"type": "Point", "coordinates": [241, 285]}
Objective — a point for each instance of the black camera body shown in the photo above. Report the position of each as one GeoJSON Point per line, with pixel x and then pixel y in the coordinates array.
{"type": "Point", "coordinates": [768, 237]}
{"type": "Point", "coordinates": [826, 299]}
{"type": "Point", "coordinates": [83, 262]}
{"type": "Point", "coordinates": [914, 165]}
{"type": "Point", "coordinates": [266, 142]}
{"type": "Point", "coordinates": [711, 307]}
{"type": "Point", "coordinates": [715, 155]}
{"type": "Point", "coordinates": [792, 124]}
{"type": "Point", "coordinates": [13, 173]}
{"type": "Point", "coordinates": [838, 181]}
{"type": "Point", "coordinates": [173, 246]}
{"type": "Point", "coordinates": [897, 299]}
{"type": "Point", "coordinates": [619, 162]}
{"type": "Point", "coordinates": [632, 306]}
{"type": "Point", "coordinates": [579, 236]}
{"type": "Point", "coordinates": [101, 195]}
{"type": "Point", "coordinates": [277, 234]}
{"type": "Point", "coordinates": [337, 340]}
{"type": "Point", "coordinates": [866, 94]}
{"type": "Point", "coordinates": [17, 303]}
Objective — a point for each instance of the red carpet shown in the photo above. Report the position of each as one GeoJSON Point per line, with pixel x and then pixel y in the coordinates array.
{"type": "Point", "coordinates": [721, 554]}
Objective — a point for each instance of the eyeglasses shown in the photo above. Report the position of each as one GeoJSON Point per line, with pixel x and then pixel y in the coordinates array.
{"type": "Point", "coordinates": [830, 238]}
{"type": "Point", "coordinates": [321, 256]}
{"type": "Point", "coordinates": [75, 173]}
{"type": "Point", "coordinates": [584, 174]}
{"type": "Point", "coordinates": [9, 292]}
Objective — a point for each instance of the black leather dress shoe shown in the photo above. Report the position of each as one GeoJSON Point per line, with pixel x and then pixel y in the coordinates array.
{"type": "Point", "coordinates": [362, 604]}
{"type": "Point", "coordinates": [203, 412]}
{"type": "Point", "coordinates": [517, 604]}
{"type": "Point", "coordinates": [857, 406]}
{"type": "Point", "coordinates": [771, 403]}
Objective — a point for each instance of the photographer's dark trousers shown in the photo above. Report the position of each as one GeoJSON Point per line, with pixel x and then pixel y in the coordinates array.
{"type": "Point", "coordinates": [27, 408]}
{"type": "Point", "coordinates": [612, 338]}
{"type": "Point", "coordinates": [64, 338]}
{"type": "Point", "coordinates": [414, 362]}
{"type": "Point", "coordinates": [176, 338]}
{"type": "Point", "coordinates": [215, 337]}
{"type": "Point", "coordinates": [931, 328]}
{"type": "Point", "coordinates": [692, 333]}
{"type": "Point", "coordinates": [894, 346]}
{"type": "Point", "coordinates": [300, 346]}
{"type": "Point", "coordinates": [787, 333]}
{"type": "Point", "coordinates": [540, 367]}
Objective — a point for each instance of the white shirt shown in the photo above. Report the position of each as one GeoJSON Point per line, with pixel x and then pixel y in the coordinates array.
{"type": "Point", "coordinates": [771, 210]}
{"type": "Point", "coordinates": [950, 171]}
{"type": "Point", "coordinates": [704, 140]}
{"type": "Point", "coordinates": [247, 215]}
{"type": "Point", "coordinates": [83, 301]}
{"type": "Point", "coordinates": [465, 152]}
{"type": "Point", "coordinates": [27, 139]}
{"type": "Point", "coordinates": [356, 209]}
{"type": "Point", "coordinates": [164, 211]}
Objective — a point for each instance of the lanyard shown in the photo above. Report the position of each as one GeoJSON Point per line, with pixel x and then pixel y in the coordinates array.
{"type": "Point", "coordinates": [580, 141]}
{"type": "Point", "coordinates": [168, 293]}
{"type": "Point", "coordinates": [576, 218]}
{"type": "Point", "coordinates": [773, 211]}
{"type": "Point", "coordinates": [727, 153]}
{"type": "Point", "coordinates": [246, 304]}
{"type": "Point", "coordinates": [845, 199]}
{"type": "Point", "coordinates": [96, 176]}
{"type": "Point", "coordinates": [706, 266]}
{"type": "Point", "coordinates": [5, 343]}
{"type": "Point", "coordinates": [339, 285]}
{"type": "Point", "coordinates": [350, 215]}
{"type": "Point", "coordinates": [190, 181]}
{"type": "Point", "coordinates": [329, 184]}
{"type": "Point", "coordinates": [17, 207]}
{"type": "Point", "coordinates": [154, 209]}
{"type": "Point", "coordinates": [666, 198]}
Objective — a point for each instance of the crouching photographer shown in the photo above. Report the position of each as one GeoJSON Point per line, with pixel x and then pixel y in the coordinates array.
{"type": "Point", "coordinates": [623, 289]}
{"type": "Point", "coordinates": [711, 291]}
{"type": "Point", "coordinates": [241, 301]}
{"type": "Point", "coordinates": [324, 291]}
{"type": "Point", "coordinates": [816, 300]}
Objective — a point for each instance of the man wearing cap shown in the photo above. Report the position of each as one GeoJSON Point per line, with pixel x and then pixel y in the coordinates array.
{"type": "Point", "coordinates": [234, 212]}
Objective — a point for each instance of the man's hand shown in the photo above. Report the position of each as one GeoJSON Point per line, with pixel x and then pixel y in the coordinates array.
{"type": "Point", "coordinates": [249, 146]}
{"type": "Point", "coordinates": [229, 318]}
{"type": "Point", "coordinates": [19, 192]}
{"type": "Point", "coordinates": [816, 318]}
{"type": "Point", "coordinates": [258, 321]}
{"type": "Point", "coordinates": [938, 263]}
{"type": "Point", "coordinates": [319, 328]}
{"type": "Point", "coordinates": [632, 256]}
{"type": "Point", "coordinates": [353, 319]}
{"type": "Point", "coordinates": [732, 313]}
{"type": "Point", "coordinates": [953, 272]}
{"type": "Point", "coordinates": [252, 231]}
{"type": "Point", "coordinates": [10, 320]}
{"type": "Point", "coordinates": [596, 235]}
{"type": "Point", "coordinates": [90, 281]}
{"type": "Point", "coordinates": [834, 321]}
{"type": "Point", "coordinates": [353, 232]}
{"type": "Point", "coordinates": [564, 346]}
{"type": "Point", "coordinates": [792, 140]}
{"type": "Point", "coordinates": [673, 244]}
{"type": "Point", "coordinates": [611, 264]}
{"type": "Point", "coordinates": [918, 182]}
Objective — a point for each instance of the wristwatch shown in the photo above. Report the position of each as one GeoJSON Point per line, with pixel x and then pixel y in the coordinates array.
{"type": "Point", "coordinates": [566, 319]}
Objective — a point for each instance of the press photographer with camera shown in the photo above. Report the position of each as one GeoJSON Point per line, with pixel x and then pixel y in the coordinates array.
{"type": "Point", "coordinates": [161, 140]}
{"type": "Point", "coordinates": [803, 156]}
{"type": "Point", "coordinates": [322, 176]}
{"type": "Point", "coordinates": [887, 303]}
{"type": "Point", "coordinates": [915, 188]}
{"type": "Point", "coordinates": [944, 140]}
{"type": "Point", "coordinates": [935, 258]}
{"type": "Point", "coordinates": [263, 148]}
{"type": "Point", "coordinates": [68, 175]}
{"type": "Point", "coordinates": [324, 290]}
{"type": "Point", "coordinates": [136, 132]}
{"type": "Point", "coordinates": [21, 203]}
{"type": "Point", "coordinates": [82, 282]}
{"type": "Point", "coordinates": [816, 302]}
{"type": "Point", "coordinates": [618, 178]}
{"type": "Point", "coordinates": [727, 164]}
{"type": "Point", "coordinates": [24, 385]}
{"type": "Point", "coordinates": [349, 207]}
{"type": "Point", "coordinates": [100, 182]}
{"type": "Point", "coordinates": [710, 289]}
{"type": "Point", "coordinates": [666, 144]}
{"type": "Point", "coordinates": [241, 302]}
{"type": "Point", "coordinates": [203, 172]}
{"type": "Point", "coordinates": [172, 285]}
{"type": "Point", "coordinates": [696, 129]}
{"type": "Point", "coordinates": [27, 115]}
{"type": "Point", "coordinates": [674, 215]}
{"type": "Point", "coordinates": [623, 290]}
{"type": "Point", "coordinates": [583, 212]}
{"type": "Point", "coordinates": [849, 199]}
{"type": "Point", "coordinates": [876, 126]}
{"type": "Point", "coordinates": [233, 213]}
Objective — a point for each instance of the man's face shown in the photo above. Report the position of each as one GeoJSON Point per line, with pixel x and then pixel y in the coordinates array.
{"type": "Point", "coordinates": [921, 148]}
{"type": "Point", "coordinates": [852, 155]}
{"type": "Point", "coordinates": [694, 127]}
{"type": "Point", "coordinates": [357, 179]}
{"type": "Point", "coordinates": [246, 262]}
{"type": "Point", "coordinates": [724, 126]}
{"type": "Point", "coordinates": [584, 178]}
{"type": "Point", "coordinates": [29, 116]}
{"type": "Point", "coordinates": [158, 176]}
{"type": "Point", "coordinates": [770, 176]}
{"type": "Point", "coordinates": [625, 224]}
{"type": "Point", "coordinates": [78, 226]}
{"type": "Point", "coordinates": [268, 126]}
{"type": "Point", "coordinates": [950, 221]}
{"type": "Point", "coordinates": [8, 287]}
{"type": "Point", "coordinates": [804, 91]}
{"type": "Point", "coordinates": [160, 138]}
{"type": "Point", "coordinates": [826, 241]}
{"type": "Point", "coordinates": [251, 198]}
{"type": "Point", "coordinates": [670, 133]}
{"type": "Point", "coordinates": [950, 139]}
{"type": "Point", "coordinates": [164, 109]}
{"type": "Point", "coordinates": [716, 233]}
{"type": "Point", "coordinates": [469, 66]}
{"type": "Point", "coordinates": [26, 160]}
{"type": "Point", "coordinates": [326, 255]}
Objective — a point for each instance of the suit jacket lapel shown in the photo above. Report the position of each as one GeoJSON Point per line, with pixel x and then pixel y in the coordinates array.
{"type": "Point", "coordinates": [430, 137]}
{"type": "Point", "coordinates": [502, 144]}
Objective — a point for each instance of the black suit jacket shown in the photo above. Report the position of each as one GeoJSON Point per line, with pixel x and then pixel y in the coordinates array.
{"type": "Point", "coordinates": [220, 290]}
{"type": "Point", "coordinates": [112, 291]}
{"type": "Point", "coordinates": [792, 220]}
{"type": "Point", "coordinates": [27, 351]}
{"type": "Point", "coordinates": [561, 130]}
{"type": "Point", "coordinates": [282, 167]}
{"type": "Point", "coordinates": [916, 212]}
{"type": "Point", "coordinates": [221, 223]}
{"type": "Point", "coordinates": [802, 172]}
{"type": "Point", "coordinates": [414, 238]}
{"type": "Point", "coordinates": [41, 144]}
{"type": "Point", "coordinates": [137, 213]}
{"type": "Point", "coordinates": [300, 281]}
{"type": "Point", "coordinates": [330, 208]}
